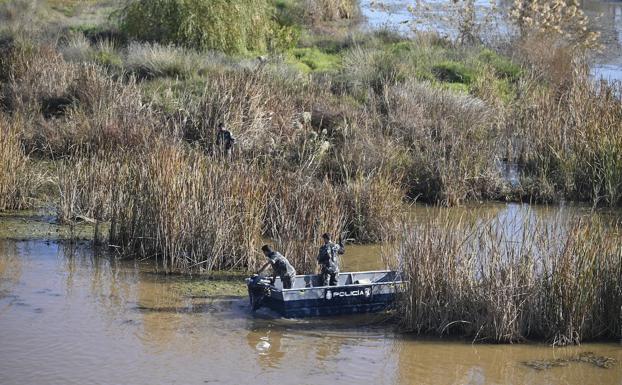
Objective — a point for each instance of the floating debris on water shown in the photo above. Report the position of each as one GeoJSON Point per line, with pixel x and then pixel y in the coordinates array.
{"type": "Point", "coordinates": [586, 357]}
{"type": "Point", "coordinates": [263, 345]}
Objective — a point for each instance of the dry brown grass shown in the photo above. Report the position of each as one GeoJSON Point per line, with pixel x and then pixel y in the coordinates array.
{"type": "Point", "coordinates": [374, 208]}
{"type": "Point", "coordinates": [512, 281]}
{"type": "Point", "coordinates": [318, 11]}
{"type": "Point", "coordinates": [568, 134]}
{"type": "Point", "coordinates": [74, 107]}
{"type": "Point", "coordinates": [452, 142]}
{"type": "Point", "coordinates": [187, 211]}
{"type": "Point", "coordinates": [17, 183]}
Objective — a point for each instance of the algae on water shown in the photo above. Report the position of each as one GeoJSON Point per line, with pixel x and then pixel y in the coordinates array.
{"type": "Point", "coordinates": [585, 357]}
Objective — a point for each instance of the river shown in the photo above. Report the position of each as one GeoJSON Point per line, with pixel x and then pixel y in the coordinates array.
{"type": "Point", "coordinates": [71, 316]}
{"type": "Point", "coordinates": [605, 17]}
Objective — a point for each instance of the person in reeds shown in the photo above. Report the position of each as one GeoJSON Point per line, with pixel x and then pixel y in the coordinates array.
{"type": "Point", "coordinates": [224, 140]}
{"type": "Point", "coordinates": [280, 267]}
{"type": "Point", "coordinates": [328, 260]}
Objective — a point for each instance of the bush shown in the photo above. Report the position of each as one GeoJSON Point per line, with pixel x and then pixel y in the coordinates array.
{"type": "Point", "coordinates": [451, 139]}
{"type": "Point", "coordinates": [153, 60]}
{"type": "Point", "coordinates": [222, 25]}
{"type": "Point", "coordinates": [453, 72]}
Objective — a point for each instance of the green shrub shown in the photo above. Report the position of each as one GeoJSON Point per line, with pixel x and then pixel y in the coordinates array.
{"type": "Point", "coordinates": [107, 56]}
{"type": "Point", "coordinates": [312, 59]}
{"type": "Point", "coordinates": [503, 67]}
{"type": "Point", "coordinates": [453, 72]}
{"type": "Point", "coordinates": [223, 25]}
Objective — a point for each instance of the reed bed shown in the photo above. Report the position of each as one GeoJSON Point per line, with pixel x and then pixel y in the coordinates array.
{"type": "Point", "coordinates": [374, 208]}
{"type": "Point", "coordinates": [452, 140]}
{"type": "Point", "coordinates": [513, 280]}
{"type": "Point", "coordinates": [571, 140]}
{"type": "Point", "coordinates": [17, 181]}
{"type": "Point", "coordinates": [69, 107]}
{"type": "Point", "coordinates": [187, 211]}
{"type": "Point", "coordinates": [192, 211]}
{"type": "Point", "coordinates": [299, 211]}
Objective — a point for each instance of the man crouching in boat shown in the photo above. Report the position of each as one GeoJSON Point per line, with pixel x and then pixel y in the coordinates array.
{"type": "Point", "coordinates": [280, 266]}
{"type": "Point", "coordinates": [327, 259]}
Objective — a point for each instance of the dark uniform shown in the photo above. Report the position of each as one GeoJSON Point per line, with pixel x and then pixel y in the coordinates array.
{"type": "Point", "coordinates": [282, 268]}
{"type": "Point", "coordinates": [224, 140]}
{"type": "Point", "coordinates": [327, 258]}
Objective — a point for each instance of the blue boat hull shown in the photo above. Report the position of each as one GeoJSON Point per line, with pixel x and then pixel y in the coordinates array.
{"type": "Point", "coordinates": [354, 295]}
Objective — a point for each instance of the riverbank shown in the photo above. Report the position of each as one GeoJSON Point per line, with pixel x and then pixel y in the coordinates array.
{"type": "Point", "coordinates": [336, 131]}
{"type": "Point", "coordinates": [99, 307]}
{"type": "Point", "coordinates": [373, 118]}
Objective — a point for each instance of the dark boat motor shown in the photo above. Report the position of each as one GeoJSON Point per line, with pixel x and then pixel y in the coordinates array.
{"type": "Point", "coordinates": [258, 289]}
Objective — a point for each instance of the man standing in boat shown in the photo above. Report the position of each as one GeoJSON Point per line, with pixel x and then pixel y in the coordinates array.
{"type": "Point", "coordinates": [328, 260]}
{"type": "Point", "coordinates": [280, 266]}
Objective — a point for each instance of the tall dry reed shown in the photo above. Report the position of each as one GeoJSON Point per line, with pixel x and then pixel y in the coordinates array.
{"type": "Point", "coordinates": [452, 142]}
{"type": "Point", "coordinates": [373, 208]}
{"type": "Point", "coordinates": [569, 137]}
{"type": "Point", "coordinates": [299, 210]}
{"type": "Point", "coordinates": [17, 182]}
{"type": "Point", "coordinates": [513, 280]}
{"type": "Point", "coordinates": [186, 210]}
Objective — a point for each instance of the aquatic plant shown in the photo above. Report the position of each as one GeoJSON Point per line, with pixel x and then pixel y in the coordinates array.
{"type": "Point", "coordinates": [571, 138]}
{"type": "Point", "coordinates": [512, 280]}
{"type": "Point", "coordinates": [298, 213]}
{"type": "Point", "coordinates": [18, 183]}
{"type": "Point", "coordinates": [185, 210]}
{"type": "Point", "coordinates": [373, 208]}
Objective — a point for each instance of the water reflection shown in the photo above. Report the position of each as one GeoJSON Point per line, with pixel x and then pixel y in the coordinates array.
{"type": "Point", "coordinates": [10, 267]}
{"type": "Point", "coordinates": [267, 346]}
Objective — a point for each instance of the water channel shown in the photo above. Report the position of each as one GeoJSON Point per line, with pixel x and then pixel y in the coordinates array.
{"type": "Point", "coordinates": [70, 315]}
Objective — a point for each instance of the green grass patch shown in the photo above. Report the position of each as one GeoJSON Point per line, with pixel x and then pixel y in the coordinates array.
{"type": "Point", "coordinates": [503, 67]}
{"type": "Point", "coordinates": [109, 59]}
{"type": "Point", "coordinates": [314, 60]}
{"type": "Point", "coordinates": [455, 87]}
{"type": "Point", "coordinates": [453, 72]}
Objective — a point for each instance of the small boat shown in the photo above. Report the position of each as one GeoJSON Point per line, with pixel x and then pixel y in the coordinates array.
{"type": "Point", "coordinates": [356, 292]}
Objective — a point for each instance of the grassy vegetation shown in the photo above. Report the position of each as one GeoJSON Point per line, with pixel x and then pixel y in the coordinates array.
{"type": "Point", "coordinates": [512, 281]}
{"type": "Point", "coordinates": [220, 25]}
{"type": "Point", "coordinates": [346, 125]}
{"type": "Point", "coordinates": [17, 183]}
{"type": "Point", "coordinates": [571, 146]}
{"type": "Point", "coordinates": [335, 131]}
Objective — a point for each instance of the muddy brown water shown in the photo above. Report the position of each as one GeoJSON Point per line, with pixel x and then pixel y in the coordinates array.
{"type": "Point", "coordinates": [71, 316]}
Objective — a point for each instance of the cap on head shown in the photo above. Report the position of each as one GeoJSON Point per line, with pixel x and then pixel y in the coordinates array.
{"type": "Point", "coordinates": [266, 249]}
{"type": "Point", "coordinates": [326, 236]}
